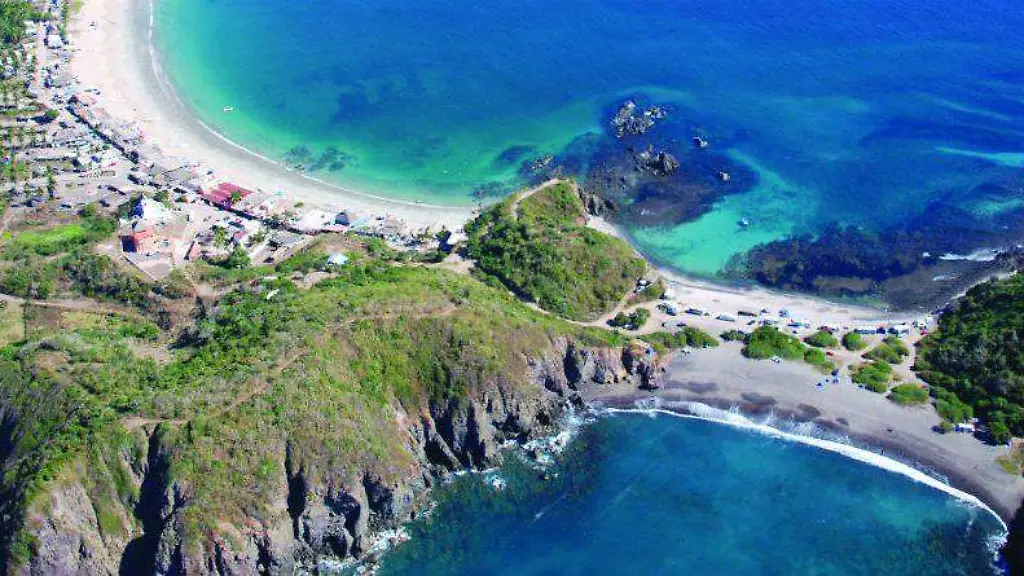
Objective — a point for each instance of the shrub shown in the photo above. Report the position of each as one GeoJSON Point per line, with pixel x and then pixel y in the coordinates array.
{"type": "Point", "coordinates": [688, 336]}
{"type": "Point", "coordinates": [632, 321]}
{"type": "Point", "coordinates": [908, 394]}
{"type": "Point", "coordinates": [853, 342]}
{"type": "Point", "coordinates": [822, 339]}
{"type": "Point", "coordinates": [891, 350]}
{"type": "Point", "coordinates": [816, 357]}
{"type": "Point", "coordinates": [733, 335]}
{"type": "Point", "coordinates": [873, 375]}
{"type": "Point", "coordinates": [768, 341]}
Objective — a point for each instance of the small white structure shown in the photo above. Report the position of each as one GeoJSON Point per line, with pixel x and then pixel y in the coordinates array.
{"type": "Point", "coordinates": [150, 210]}
{"type": "Point", "coordinates": [964, 427]}
{"type": "Point", "coordinates": [337, 259]}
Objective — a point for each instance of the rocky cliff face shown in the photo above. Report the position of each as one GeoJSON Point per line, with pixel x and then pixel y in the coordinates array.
{"type": "Point", "coordinates": [323, 516]}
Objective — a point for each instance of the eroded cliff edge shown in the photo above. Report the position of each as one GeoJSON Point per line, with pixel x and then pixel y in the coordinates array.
{"type": "Point", "coordinates": [284, 430]}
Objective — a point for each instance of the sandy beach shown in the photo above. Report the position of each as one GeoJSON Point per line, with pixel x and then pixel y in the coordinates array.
{"type": "Point", "coordinates": [113, 53]}
{"type": "Point", "coordinates": [785, 395]}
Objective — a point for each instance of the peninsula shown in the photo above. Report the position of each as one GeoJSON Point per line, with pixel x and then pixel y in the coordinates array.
{"type": "Point", "coordinates": [209, 364]}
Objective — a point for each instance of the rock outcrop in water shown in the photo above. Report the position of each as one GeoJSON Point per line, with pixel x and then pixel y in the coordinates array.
{"type": "Point", "coordinates": [630, 121]}
{"type": "Point", "coordinates": [656, 163]}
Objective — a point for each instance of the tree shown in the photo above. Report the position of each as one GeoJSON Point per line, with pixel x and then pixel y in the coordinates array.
{"type": "Point", "coordinates": [51, 183]}
{"type": "Point", "coordinates": [220, 237]}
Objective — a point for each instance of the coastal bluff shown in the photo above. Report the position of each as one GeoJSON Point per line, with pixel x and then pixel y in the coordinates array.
{"type": "Point", "coordinates": [296, 470]}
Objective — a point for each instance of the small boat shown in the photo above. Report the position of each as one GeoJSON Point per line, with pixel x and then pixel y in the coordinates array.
{"type": "Point", "coordinates": [228, 109]}
{"type": "Point", "coordinates": [743, 222]}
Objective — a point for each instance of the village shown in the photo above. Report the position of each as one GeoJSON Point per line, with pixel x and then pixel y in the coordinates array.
{"type": "Point", "coordinates": [62, 152]}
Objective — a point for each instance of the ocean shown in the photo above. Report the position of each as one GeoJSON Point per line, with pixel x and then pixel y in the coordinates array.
{"type": "Point", "coordinates": [636, 494]}
{"type": "Point", "coordinates": [891, 117]}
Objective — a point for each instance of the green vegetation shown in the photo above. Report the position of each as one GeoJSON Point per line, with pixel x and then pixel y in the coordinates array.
{"type": "Point", "coordinates": [13, 14]}
{"type": "Point", "coordinates": [542, 250]}
{"type": "Point", "coordinates": [822, 339]}
{"type": "Point", "coordinates": [816, 357]}
{"type": "Point", "coordinates": [974, 361]}
{"type": "Point", "coordinates": [635, 320]}
{"type": "Point", "coordinates": [891, 350]}
{"type": "Point", "coordinates": [908, 394]}
{"type": "Point", "coordinates": [652, 292]}
{"type": "Point", "coordinates": [734, 336]}
{"type": "Point", "coordinates": [322, 370]}
{"type": "Point", "coordinates": [51, 241]}
{"type": "Point", "coordinates": [688, 336]}
{"type": "Point", "coordinates": [768, 341]}
{"type": "Point", "coordinates": [874, 375]}
{"type": "Point", "coordinates": [854, 342]}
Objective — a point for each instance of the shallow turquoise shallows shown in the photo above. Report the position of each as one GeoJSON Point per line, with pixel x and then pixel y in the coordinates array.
{"type": "Point", "coordinates": [857, 111]}
{"type": "Point", "coordinates": [665, 495]}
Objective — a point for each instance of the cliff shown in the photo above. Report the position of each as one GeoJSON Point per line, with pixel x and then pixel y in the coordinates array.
{"type": "Point", "coordinates": [284, 428]}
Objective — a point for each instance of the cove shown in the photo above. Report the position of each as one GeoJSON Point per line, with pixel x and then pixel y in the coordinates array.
{"type": "Point", "coordinates": [665, 495]}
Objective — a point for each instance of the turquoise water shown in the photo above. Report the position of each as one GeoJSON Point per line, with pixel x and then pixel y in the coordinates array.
{"type": "Point", "coordinates": [856, 111]}
{"type": "Point", "coordinates": [641, 495]}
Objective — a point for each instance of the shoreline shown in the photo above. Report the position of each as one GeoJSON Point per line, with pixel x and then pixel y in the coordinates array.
{"type": "Point", "coordinates": [118, 57]}
{"type": "Point", "coordinates": [783, 397]}
{"type": "Point", "coordinates": [740, 420]}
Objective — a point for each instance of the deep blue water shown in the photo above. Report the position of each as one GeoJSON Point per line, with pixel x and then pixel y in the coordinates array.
{"type": "Point", "coordinates": [641, 495]}
{"type": "Point", "coordinates": [856, 111]}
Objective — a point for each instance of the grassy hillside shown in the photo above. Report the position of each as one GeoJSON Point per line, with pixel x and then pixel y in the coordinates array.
{"type": "Point", "coordinates": [977, 357]}
{"type": "Point", "coordinates": [541, 249]}
{"type": "Point", "coordinates": [321, 371]}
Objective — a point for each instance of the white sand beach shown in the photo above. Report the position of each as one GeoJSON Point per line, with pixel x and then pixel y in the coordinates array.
{"type": "Point", "coordinates": [113, 53]}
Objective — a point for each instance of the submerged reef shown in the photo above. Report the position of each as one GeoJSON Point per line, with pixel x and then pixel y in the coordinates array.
{"type": "Point", "coordinates": [949, 246]}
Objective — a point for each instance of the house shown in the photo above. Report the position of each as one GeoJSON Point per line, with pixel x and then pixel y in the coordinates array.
{"type": "Point", "coordinates": [140, 241]}
{"type": "Point", "coordinates": [151, 211]}
{"type": "Point", "coordinates": [224, 195]}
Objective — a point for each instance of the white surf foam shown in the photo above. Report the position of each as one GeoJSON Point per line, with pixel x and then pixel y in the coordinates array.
{"type": "Point", "coordinates": [699, 411]}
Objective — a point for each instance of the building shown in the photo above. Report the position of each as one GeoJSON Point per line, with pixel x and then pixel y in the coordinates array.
{"type": "Point", "coordinates": [224, 195]}
{"type": "Point", "coordinates": [140, 241]}
{"type": "Point", "coordinates": [151, 211]}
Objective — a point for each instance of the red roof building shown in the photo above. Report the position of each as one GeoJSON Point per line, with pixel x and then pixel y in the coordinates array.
{"type": "Point", "coordinates": [139, 241]}
{"type": "Point", "coordinates": [222, 194]}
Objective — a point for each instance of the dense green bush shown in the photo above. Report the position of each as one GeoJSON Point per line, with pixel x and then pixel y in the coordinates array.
{"type": "Point", "coordinates": [542, 250]}
{"type": "Point", "coordinates": [892, 350]}
{"type": "Point", "coordinates": [816, 357]}
{"type": "Point", "coordinates": [768, 341]}
{"type": "Point", "coordinates": [822, 339]}
{"type": "Point", "coordinates": [853, 342]}
{"type": "Point", "coordinates": [635, 320]}
{"type": "Point", "coordinates": [874, 375]}
{"type": "Point", "coordinates": [733, 336]}
{"type": "Point", "coordinates": [907, 394]}
{"type": "Point", "coordinates": [688, 336]}
{"type": "Point", "coordinates": [975, 358]}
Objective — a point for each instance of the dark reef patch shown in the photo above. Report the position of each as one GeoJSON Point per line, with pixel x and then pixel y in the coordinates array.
{"type": "Point", "coordinates": [920, 263]}
{"type": "Point", "coordinates": [512, 155]}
